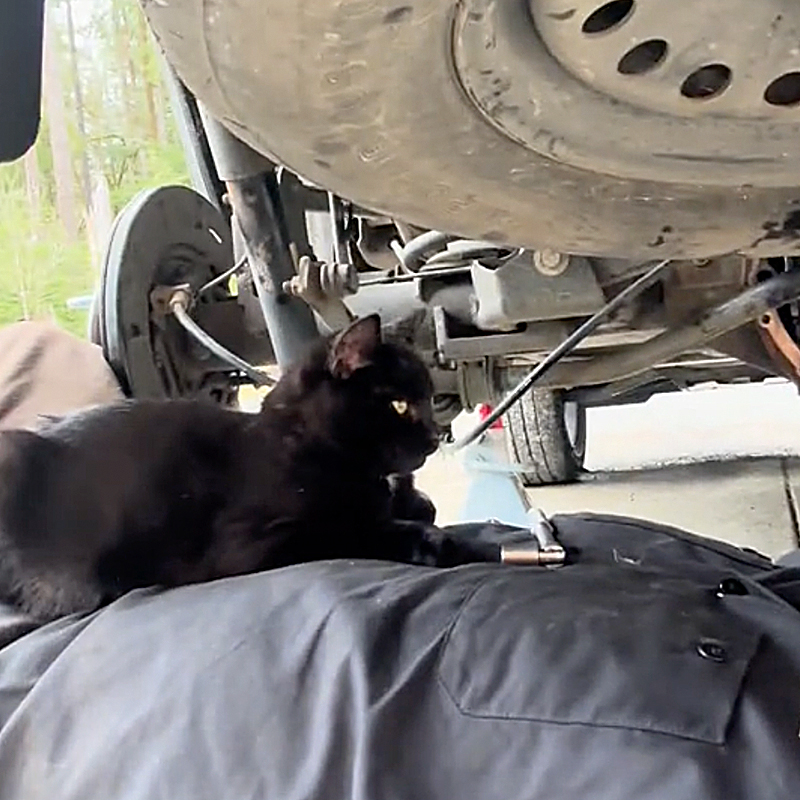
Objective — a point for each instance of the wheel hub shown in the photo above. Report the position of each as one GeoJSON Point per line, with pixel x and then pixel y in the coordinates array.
{"type": "Point", "coordinates": [164, 236]}
{"type": "Point", "coordinates": [695, 91]}
{"type": "Point", "coordinates": [736, 58]}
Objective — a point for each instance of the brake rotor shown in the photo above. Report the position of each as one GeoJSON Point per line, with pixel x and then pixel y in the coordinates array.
{"type": "Point", "coordinates": [166, 236]}
{"type": "Point", "coordinates": [677, 90]}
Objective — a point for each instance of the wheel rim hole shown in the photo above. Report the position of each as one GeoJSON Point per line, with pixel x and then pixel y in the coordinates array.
{"type": "Point", "coordinates": [784, 91]}
{"type": "Point", "coordinates": [707, 82]}
{"type": "Point", "coordinates": [643, 58]}
{"type": "Point", "coordinates": [608, 16]}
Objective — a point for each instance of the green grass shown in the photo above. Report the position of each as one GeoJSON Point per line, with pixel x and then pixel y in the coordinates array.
{"type": "Point", "coordinates": [40, 268]}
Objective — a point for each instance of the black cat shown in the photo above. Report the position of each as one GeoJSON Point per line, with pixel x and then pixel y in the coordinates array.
{"type": "Point", "coordinates": [172, 492]}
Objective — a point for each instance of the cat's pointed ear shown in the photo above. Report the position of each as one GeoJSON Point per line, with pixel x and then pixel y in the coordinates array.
{"type": "Point", "coordinates": [355, 346]}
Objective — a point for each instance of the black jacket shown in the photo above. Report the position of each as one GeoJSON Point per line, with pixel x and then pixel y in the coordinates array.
{"type": "Point", "coordinates": [656, 666]}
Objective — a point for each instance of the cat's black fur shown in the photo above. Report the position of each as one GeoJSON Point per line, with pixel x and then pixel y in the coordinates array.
{"type": "Point", "coordinates": [172, 492]}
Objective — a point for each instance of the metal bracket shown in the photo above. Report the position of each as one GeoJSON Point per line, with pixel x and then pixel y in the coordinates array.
{"type": "Point", "coordinates": [322, 286]}
{"type": "Point", "coordinates": [519, 292]}
{"type": "Point", "coordinates": [539, 337]}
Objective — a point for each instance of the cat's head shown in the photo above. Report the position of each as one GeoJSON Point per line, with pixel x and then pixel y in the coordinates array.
{"type": "Point", "coordinates": [367, 397]}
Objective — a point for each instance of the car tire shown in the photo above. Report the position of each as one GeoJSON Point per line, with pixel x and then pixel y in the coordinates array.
{"type": "Point", "coordinates": [380, 116]}
{"type": "Point", "coordinates": [546, 434]}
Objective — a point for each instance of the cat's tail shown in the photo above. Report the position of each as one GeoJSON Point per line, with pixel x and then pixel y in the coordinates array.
{"type": "Point", "coordinates": [26, 462]}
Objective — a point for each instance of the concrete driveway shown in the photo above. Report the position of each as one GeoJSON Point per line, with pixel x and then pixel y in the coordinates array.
{"type": "Point", "coordinates": [719, 461]}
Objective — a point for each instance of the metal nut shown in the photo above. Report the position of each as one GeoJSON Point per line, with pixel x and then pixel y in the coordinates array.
{"type": "Point", "coordinates": [550, 262]}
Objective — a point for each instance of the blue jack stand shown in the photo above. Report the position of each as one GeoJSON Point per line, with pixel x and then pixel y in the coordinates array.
{"type": "Point", "coordinates": [495, 493]}
{"type": "Point", "coordinates": [494, 489]}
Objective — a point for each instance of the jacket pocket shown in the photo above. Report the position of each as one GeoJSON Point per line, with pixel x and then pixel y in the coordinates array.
{"type": "Point", "coordinates": [589, 645]}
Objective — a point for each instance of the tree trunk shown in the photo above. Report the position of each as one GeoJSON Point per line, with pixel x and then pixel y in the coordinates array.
{"type": "Point", "coordinates": [119, 38]}
{"type": "Point", "coordinates": [33, 183]}
{"type": "Point", "coordinates": [57, 124]}
{"type": "Point", "coordinates": [152, 117]}
{"type": "Point", "coordinates": [161, 114]}
{"type": "Point", "coordinates": [146, 54]}
{"type": "Point", "coordinates": [23, 288]}
{"type": "Point", "coordinates": [126, 53]}
{"type": "Point", "coordinates": [86, 185]}
{"type": "Point", "coordinates": [101, 219]}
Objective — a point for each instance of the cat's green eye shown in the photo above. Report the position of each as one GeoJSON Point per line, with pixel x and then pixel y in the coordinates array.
{"type": "Point", "coordinates": [400, 406]}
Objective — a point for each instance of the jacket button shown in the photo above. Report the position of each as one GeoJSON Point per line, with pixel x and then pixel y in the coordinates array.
{"type": "Point", "coordinates": [713, 651]}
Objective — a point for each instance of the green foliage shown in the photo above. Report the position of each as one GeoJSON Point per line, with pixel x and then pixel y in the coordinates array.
{"type": "Point", "coordinates": [131, 164]}
{"type": "Point", "coordinates": [130, 140]}
{"type": "Point", "coordinates": [41, 267]}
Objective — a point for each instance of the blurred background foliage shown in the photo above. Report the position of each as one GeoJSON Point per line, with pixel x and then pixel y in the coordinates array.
{"type": "Point", "coordinates": [107, 133]}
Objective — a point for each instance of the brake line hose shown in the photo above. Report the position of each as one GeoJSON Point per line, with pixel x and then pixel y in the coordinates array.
{"type": "Point", "coordinates": [179, 305]}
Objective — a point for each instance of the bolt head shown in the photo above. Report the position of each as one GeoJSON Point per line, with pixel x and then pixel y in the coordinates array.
{"type": "Point", "coordinates": [550, 262]}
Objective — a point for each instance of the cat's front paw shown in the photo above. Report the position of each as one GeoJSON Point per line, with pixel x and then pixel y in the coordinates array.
{"type": "Point", "coordinates": [408, 503]}
{"type": "Point", "coordinates": [419, 508]}
{"type": "Point", "coordinates": [430, 546]}
{"type": "Point", "coordinates": [426, 545]}
{"type": "Point", "coordinates": [454, 551]}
